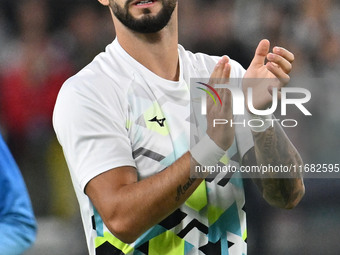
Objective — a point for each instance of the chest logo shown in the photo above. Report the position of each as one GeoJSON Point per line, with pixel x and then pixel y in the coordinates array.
{"type": "Point", "coordinates": [159, 121]}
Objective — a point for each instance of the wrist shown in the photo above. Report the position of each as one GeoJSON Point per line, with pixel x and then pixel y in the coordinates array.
{"type": "Point", "coordinates": [206, 152]}
{"type": "Point", "coordinates": [260, 123]}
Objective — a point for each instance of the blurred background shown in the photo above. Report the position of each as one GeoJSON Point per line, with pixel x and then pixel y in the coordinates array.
{"type": "Point", "coordinates": [43, 42]}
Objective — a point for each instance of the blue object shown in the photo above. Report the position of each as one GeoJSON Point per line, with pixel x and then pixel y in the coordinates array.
{"type": "Point", "coordinates": [17, 222]}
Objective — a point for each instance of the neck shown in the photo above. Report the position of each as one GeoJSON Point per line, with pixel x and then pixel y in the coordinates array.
{"type": "Point", "coordinates": [157, 52]}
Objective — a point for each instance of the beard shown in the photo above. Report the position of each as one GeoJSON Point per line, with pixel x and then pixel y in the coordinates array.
{"type": "Point", "coordinates": [146, 24]}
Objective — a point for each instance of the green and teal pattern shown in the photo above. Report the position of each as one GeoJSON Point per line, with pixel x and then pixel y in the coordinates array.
{"type": "Point", "coordinates": [212, 221]}
{"type": "Point", "coordinates": [216, 235]}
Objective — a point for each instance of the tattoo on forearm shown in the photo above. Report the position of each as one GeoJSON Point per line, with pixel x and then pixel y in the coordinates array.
{"type": "Point", "coordinates": [274, 148]}
{"type": "Point", "coordinates": [268, 143]}
{"type": "Point", "coordinates": [181, 190]}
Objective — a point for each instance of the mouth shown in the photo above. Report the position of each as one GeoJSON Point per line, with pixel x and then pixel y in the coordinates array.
{"type": "Point", "coordinates": [144, 3]}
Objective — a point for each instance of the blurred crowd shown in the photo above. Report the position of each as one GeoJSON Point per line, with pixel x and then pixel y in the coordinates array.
{"type": "Point", "coordinates": [43, 42]}
{"type": "Point", "coordinates": [309, 28]}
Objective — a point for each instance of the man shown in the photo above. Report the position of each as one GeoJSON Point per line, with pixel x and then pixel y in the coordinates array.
{"type": "Point", "coordinates": [124, 120]}
{"type": "Point", "coordinates": [17, 222]}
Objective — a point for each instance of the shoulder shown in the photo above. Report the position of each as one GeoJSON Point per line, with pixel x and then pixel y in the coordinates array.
{"type": "Point", "coordinates": [99, 90]}
{"type": "Point", "coordinates": [105, 72]}
{"type": "Point", "coordinates": [104, 79]}
{"type": "Point", "coordinates": [202, 61]}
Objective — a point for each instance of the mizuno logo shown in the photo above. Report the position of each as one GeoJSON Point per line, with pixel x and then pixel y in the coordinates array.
{"type": "Point", "coordinates": [159, 121]}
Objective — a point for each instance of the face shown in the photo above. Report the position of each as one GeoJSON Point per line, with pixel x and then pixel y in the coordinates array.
{"type": "Point", "coordinates": [144, 16]}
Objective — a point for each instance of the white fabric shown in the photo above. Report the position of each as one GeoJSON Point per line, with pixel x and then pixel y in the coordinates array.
{"type": "Point", "coordinates": [97, 110]}
{"type": "Point", "coordinates": [206, 152]}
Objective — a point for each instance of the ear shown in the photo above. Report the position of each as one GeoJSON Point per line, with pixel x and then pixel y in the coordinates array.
{"type": "Point", "coordinates": [104, 2]}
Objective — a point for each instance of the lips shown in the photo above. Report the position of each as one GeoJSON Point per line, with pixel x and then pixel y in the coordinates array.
{"type": "Point", "coordinates": [143, 3]}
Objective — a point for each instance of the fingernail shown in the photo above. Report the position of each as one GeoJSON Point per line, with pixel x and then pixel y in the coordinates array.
{"type": "Point", "coordinates": [223, 60]}
{"type": "Point", "coordinates": [277, 49]}
{"type": "Point", "coordinates": [270, 56]}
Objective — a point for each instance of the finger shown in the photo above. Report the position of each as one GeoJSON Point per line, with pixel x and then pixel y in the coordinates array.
{"type": "Point", "coordinates": [280, 61]}
{"type": "Point", "coordinates": [279, 94]}
{"type": "Point", "coordinates": [284, 53]}
{"type": "Point", "coordinates": [217, 74]}
{"type": "Point", "coordinates": [218, 70]}
{"type": "Point", "coordinates": [226, 98]}
{"type": "Point", "coordinates": [278, 72]}
{"type": "Point", "coordinates": [224, 79]}
{"type": "Point", "coordinates": [226, 72]}
{"type": "Point", "coordinates": [226, 93]}
{"type": "Point", "coordinates": [261, 53]}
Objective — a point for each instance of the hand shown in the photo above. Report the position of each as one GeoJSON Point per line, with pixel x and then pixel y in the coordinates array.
{"type": "Point", "coordinates": [222, 135]}
{"type": "Point", "coordinates": [262, 77]}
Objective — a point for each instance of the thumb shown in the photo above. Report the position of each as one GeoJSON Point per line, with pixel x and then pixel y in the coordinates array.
{"type": "Point", "coordinates": [261, 53]}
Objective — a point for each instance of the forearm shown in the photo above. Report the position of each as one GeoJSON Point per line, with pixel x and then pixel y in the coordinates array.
{"type": "Point", "coordinates": [129, 207]}
{"type": "Point", "coordinates": [273, 148]}
{"type": "Point", "coordinates": [137, 206]}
